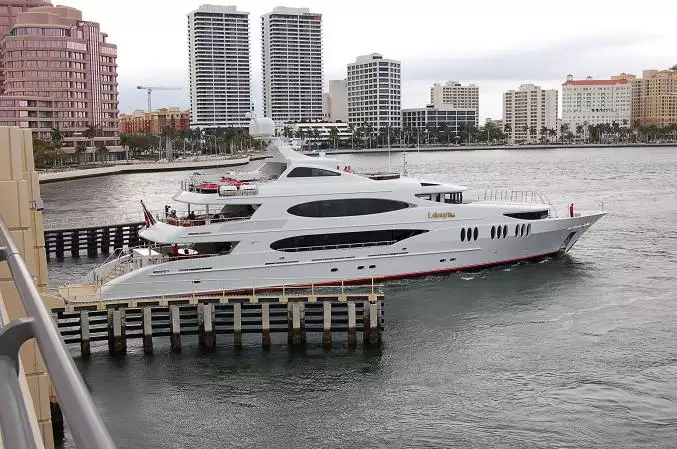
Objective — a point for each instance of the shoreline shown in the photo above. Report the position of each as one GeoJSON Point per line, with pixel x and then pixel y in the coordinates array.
{"type": "Point", "coordinates": [119, 169]}
{"type": "Point", "coordinates": [492, 147]}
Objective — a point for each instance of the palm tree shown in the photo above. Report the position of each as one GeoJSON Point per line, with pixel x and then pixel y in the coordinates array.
{"type": "Point", "coordinates": [579, 130]}
{"type": "Point", "coordinates": [563, 129]}
{"type": "Point", "coordinates": [544, 134]}
{"type": "Point", "coordinates": [333, 136]}
{"type": "Point", "coordinates": [57, 142]}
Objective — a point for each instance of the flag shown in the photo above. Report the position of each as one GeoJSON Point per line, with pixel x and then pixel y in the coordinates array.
{"type": "Point", "coordinates": [147, 216]}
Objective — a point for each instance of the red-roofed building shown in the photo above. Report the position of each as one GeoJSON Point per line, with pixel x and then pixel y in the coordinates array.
{"type": "Point", "coordinates": [596, 101]}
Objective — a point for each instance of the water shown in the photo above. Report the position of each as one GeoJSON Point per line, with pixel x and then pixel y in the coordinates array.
{"type": "Point", "coordinates": [578, 351]}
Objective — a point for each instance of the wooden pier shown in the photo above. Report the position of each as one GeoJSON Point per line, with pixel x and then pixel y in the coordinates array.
{"type": "Point", "coordinates": [116, 322]}
{"type": "Point", "coordinates": [93, 240]}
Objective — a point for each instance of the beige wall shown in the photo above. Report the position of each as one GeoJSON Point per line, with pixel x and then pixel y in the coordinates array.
{"type": "Point", "coordinates": [19, 189]}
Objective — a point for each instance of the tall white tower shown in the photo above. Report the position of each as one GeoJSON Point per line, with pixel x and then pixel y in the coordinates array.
{"type": "Point", "coordinates": [374, 92]}
{"type": "Point", "coordinates": [291, 49]}
{"type": "Point", "coordinates": [219, 64]}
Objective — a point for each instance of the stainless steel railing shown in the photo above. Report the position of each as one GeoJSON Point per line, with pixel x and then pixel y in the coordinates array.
{"type": "Point", "coordinates": [84, 420]}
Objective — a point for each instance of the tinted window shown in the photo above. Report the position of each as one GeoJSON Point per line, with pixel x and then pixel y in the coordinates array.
{"type": "Point", "coordinates": [346, 207]}
{"type": "Point", "coordinates": [344, 240]}
{"type": "Point", "coordinates": [463, 234]}
{"type": "Point", "coordinates": [538, 215]}
{"type": "Point", "coordinates": [309, 172]}
{"type": "Point", "coordinates": [476, 233]}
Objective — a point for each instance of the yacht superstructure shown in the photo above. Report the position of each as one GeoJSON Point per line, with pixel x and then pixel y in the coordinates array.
{"type": "Point", "coordinates": [312, 220]}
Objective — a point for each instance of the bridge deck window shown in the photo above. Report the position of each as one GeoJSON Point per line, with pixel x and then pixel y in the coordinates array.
{"type": "Point", "coordinates": [310, 172]}
{"type": "Point", "coordinates": [346, 207]}
{"type": "Point", "coordinates": [536, 215]}
{"type": "Point", "coordinates": [316, 242]}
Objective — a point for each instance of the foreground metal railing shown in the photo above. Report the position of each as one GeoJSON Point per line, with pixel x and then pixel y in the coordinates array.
{"type": "Point", "coordinates": [86, 425]}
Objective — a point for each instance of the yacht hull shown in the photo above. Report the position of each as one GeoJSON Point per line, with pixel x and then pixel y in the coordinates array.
{"type": "Point", "coordinates": [438, 251]}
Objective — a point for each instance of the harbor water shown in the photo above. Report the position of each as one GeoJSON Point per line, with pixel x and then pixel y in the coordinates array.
{"type": "Point", "coordinates": [575, 351]}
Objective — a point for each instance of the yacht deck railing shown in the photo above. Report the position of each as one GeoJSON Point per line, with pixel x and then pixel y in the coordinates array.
{"type": "Point", "coordinates": [86, 425]}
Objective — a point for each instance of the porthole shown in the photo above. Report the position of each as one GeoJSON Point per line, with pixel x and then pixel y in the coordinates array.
{"type": "Point", "coordinates": [476, 233]}
{"type": "Point", "coordinates": [469, 234]}
{"type": "Point", "coordinates": [493, 232]}
{"type": "Point", "coordinates": [334, 270]}
{"type": "Point", "coordinates": [517, 230]}
{"type": "Point", "coordinates": [372, 266]}
{"type": "Point", "coordinates": [463, 235]}
{"type": "Point", "coordinates": [529, 229]}
{"type": "Point", "coordinates": [499, 232]}
{"type": "Point", "coordinates": [522, 231]}
{"type": "Point", "coordinates": [443, 260]}
{"type": "Point", "coordinates": [505, 231]}
{"type": "Point", "coordinates": [361, 267]}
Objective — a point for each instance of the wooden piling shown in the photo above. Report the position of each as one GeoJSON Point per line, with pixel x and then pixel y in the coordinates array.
{"type": "Point", "coordinates": [295, 330]}
{"type": "Point", "coordinates": [147, 330]}
{"type": "Point", "coordinates": [75, 244]}
{"type": "Point", "coordinates": [119, 240]}
{"type": "Point", "coordinates": [205, 326]}
{"type": "Point", "coordinates": [373, 337]}
{"type": "Point", "coordinates": [59, 245]}
{"type": "Point", "coordinates": [265, 325]}
{"type": "Point", "coordinates": [237, 324]}
{"type": "Point", "coordinates": [175, 328]}
{"type": "Point", "coordinates": [326, 325]}
{"type": "Point", "coordinates": [117, 343]}
{"type": "Point", "coordinates": [105, 240]}
{"type": "Point", "coordinates": [352, 332]}
{"type": "Point", "coordinates": [91, 242]}
{"type": "Point", "coordinates": [85, 347]}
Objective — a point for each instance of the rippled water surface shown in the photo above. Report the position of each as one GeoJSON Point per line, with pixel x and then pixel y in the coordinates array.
{"type": "Point", "coordinates": [578, 351]}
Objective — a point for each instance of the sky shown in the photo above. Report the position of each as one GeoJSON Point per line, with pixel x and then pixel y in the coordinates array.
{"type": "Point", "coordinates": [497, 45]}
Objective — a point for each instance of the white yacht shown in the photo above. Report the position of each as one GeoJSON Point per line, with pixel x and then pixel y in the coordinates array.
{"type": "Point", "coordinates": [312, 220]}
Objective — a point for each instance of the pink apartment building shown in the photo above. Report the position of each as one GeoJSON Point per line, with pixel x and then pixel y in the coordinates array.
{"type": "Point", "coordinates": [58, 71]}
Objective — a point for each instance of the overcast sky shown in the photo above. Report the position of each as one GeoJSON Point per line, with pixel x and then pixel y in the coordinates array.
{"type": "Point", "coordinates": [495, 44]}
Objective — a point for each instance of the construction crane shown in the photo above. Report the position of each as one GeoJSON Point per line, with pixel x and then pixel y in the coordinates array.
{"type": "Point", "coordinates": [150, 89]}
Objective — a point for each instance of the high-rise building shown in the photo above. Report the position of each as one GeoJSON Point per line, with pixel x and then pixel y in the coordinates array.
{"type": "Point", "coordinates": [219, 65]}
{"type": "Point", "coordinates": [291, 53]}
{"type": "Point", "coordinates": [9, 10]}
{"type": "Point", "coordinates": [374, 92]}
{"type": "Point", "coordinates": [454, 95]}
{"type": "Point", "coordinates": [654, 98]}
{"type": "Point", "coordinates": [60, 72]}
{"type": "Point", "coordinates": [527, 111]}
{"type": "Point", "coordinates": [336, 102]}
{"type": "Point", "coordinates": [594, 101]}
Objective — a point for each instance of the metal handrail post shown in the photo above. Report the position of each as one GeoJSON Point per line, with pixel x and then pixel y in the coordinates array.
{"type": "Point", "coordinates": [87, 427]}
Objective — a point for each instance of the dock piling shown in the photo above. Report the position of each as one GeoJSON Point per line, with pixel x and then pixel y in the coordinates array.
{"type": "Point", "coordinates": [352, 332]}
{"type": "Point", "coordinates": [117, 343]}
{"type": "Point", "coordinates": [175, 328]}
{"type": "Point", "coordinates": [265, 325]}
{"type": "Point", "coordinates": [237, 324]}
{"type": "Point", "coordinates": [296, 335]}
{"type": "Point", "coordinates": [205, 326]}
{"type": "Point", "coordinates": [147, 330]}
{"type": "Point", "coordinates": [85, 347]}
{"type": "Point", "coordinates": [326, 324]}
{"type": "Point", "coordinates": [75, 244]}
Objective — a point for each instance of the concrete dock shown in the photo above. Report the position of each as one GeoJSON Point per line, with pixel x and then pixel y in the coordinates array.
{"type": "Point", "coordinates": [330, 315]}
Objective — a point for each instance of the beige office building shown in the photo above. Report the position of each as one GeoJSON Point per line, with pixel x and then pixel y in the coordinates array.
{"type": "Point", "coordinates": [654, 98]}
{"type": "Point", "coordinates": [454, 95]}
{"type": "Point", "coordinates": [527, 110]}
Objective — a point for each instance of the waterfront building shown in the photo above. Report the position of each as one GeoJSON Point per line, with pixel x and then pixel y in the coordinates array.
{"type": "Point", "coordinates": [496, 123]}
{"type": "Point", "coordinates": [9, 10]}
{"type": "Point", "coordinates": [420, 120]}
{"type": "Point", "coordinates": [654, 98]}
{"type": "Point", "coordinates": [527, 110]}
{"type": "Point", "coordinates": [336, 102]}
{"type": "Point", "coordinates": [316, 132]}
{"type": "Point", "coordinates": [155, 122]}
{"type": "Point", "coordinates": [596, 101]}
{"type": "Point", "coordinates": [454, 95]}
{"type": "Point", "coordinates": [219, 65]}
{"type": "Point", "coordinates": [60, 72]}
{"type": "Point", "coordinates": [374, 92]}
{"type": "Point", "coordinates": [291, 54]}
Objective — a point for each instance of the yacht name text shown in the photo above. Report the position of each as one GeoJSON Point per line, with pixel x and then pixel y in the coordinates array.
{"type": "Point", "coordinates": [441, 215]}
